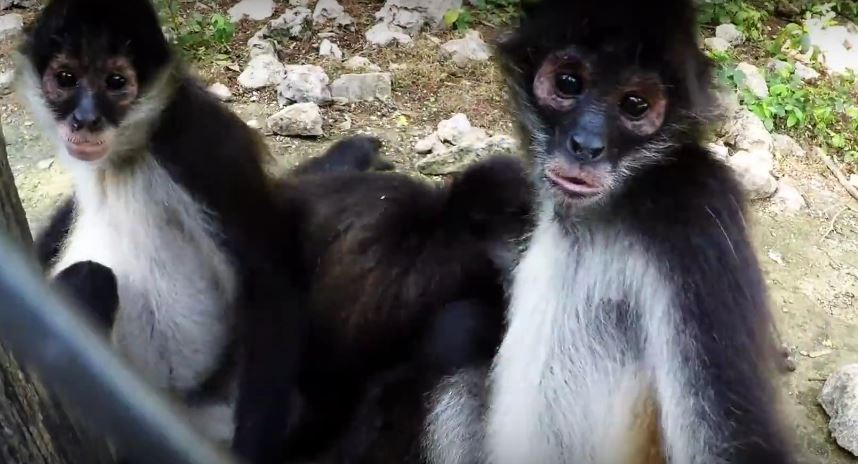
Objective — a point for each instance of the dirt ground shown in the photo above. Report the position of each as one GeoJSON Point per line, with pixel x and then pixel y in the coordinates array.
{"type": "Point", "coordinates": [810, 258]}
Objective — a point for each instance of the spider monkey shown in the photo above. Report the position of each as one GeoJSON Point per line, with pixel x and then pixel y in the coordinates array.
{"type": "Point", "coordinates": [638, 328]}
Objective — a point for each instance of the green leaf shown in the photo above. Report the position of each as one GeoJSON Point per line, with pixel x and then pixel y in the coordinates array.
{"type": "Point", "coordinates": [452, 16]}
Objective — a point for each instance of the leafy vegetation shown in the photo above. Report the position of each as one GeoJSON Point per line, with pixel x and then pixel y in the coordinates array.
{"type": "Point", "coordinates": [202, 38]}
{"type": "Point", "coordinates": [745, 16]}
{"type": "Point", "coordinates": [494, 12]}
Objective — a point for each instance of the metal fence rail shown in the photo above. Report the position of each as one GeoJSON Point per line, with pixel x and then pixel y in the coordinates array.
{"type": "Point", "coordinates": [76, 362]}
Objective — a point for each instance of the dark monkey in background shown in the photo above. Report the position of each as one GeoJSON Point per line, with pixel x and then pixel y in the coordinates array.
{"type": "Point", "coordinates": [639, 328]}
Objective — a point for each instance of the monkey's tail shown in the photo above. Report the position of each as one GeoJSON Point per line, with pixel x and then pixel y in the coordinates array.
{"type": "Point", "coordinates": [360, 153]}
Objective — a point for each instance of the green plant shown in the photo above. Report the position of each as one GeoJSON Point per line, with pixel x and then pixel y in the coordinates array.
{"type": "Point", "coordinates": [203, 38]}
{"type": "Point", "coordinates": [747, 18]}
{"type": "Point", "coordinates": [458, 19]}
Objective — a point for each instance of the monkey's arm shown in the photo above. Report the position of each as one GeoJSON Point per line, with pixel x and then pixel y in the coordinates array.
{"type": "Point", "coordinates": [93, 288]}
{"type": "Point", "coordinates": [49, 242]}
{"type": "Point", "coordinates": [353, 154]}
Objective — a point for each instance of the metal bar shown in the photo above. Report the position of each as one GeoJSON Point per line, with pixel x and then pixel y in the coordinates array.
{"type": "Point", "coordinates": [72, 359]}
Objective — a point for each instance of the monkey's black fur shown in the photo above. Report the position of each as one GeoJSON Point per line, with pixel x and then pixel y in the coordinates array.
{"type": "Point", "coordinates": [354, 154]}
{"type": "Point", "coordinates": [405, 287]}
{"type": "Point", "coordinates": [93, 287]}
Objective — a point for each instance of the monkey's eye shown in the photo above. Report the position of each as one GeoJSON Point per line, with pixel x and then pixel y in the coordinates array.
{"type": "Point", "coordinates": [568, 85]}
{"type": "Point", "coordinates": [116, 82]}
{"type": "Point", "coordinates": [66, 79]}
{"type": "Point", "coordinates": [634, 106]}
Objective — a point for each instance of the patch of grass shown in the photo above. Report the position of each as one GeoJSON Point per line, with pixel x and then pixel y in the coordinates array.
{"type": "Point", "coordinates": [202, 38]}
{"type": "Point", "coordinates": [489, 12]}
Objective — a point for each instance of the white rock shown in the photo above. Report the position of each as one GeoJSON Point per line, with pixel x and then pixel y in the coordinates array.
{"type": "Point", "coordinates": [304, 83]}
{"type": "Point", "coordinates": [328, 49]}
{"type": "Point", "coordinates": [410, 16]}
{"type": "Point", "coordinates": [719, 150]}
{"type": "Point", "coordinates": [6, 4]}
{"type": "Point", "coordinates": [746, 131]}
{"type": "Point", "coordinates": [470, 48]}
{"type": "Point", "coordinates": [753, 80]}
{"type": "Point", "coordinates": [256, 10]}
{"type": "Point", "coordinates": [788, 199]}
{"type": "Point", "coordinates": [455, 159]}
{"type": "Point", "coordinates": [382, 35]}
{"type": "Point", "coordinates": [45, 164]}
{"type": "Point", "coordinates": [786, 147]}
{"type": "Point", "coordinates": [303, 3]}
{"type": "Point", "coordinates": [805, 73]}
{"type": "Point", "coordinates": [7, 78]}
{"type": "Point", "coordinates": [853, 180]}
{"type": "Point", "coordinates": [729, 33]}
{"type": "Point", "coordinates": [254, 124]}
{"type": "Point", "coordinates": [300, 119]}
{"type": "Point", "coordinates": [427, 144]}
{"type": "Point", "coordinates": [453, 130]}
{"type": "Point", "coordinates": [728, 100]}
{"type": "Point", "coordinates": [774, 66]}
{"type": "Point", "coordinates": [262, 71]}
{"type": "Point", "coordinates": [838, 44]}
{"type": "Point", "coordinates": [362, 87]}
{"type": "Point", "coordinates": [11, 24]}
{"type": "Point", "coordinates": [330, 11]}
{"type": "Point", "coordinates": [753, 173]}
{"type": "Point", "coordinates": [359, 63]}
{"type": "Point", "coordinates": [260, 45]}
{"type": "Point", "coordinates": [292, 24]}
{"type": "Point", "coordinates": [839, 399]}
{"type": "Point", "coordinates": [220, 91]}
{"type": "Point", "coordinates": [716, 44]}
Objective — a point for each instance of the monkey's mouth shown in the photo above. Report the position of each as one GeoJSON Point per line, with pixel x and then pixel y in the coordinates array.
{"type": "Point", "coordinates": [85, 145]}
{"type": "Point", "coordinates": [575, 179]}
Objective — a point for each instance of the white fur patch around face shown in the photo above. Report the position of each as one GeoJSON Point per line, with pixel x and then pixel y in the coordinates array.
{"type": "Point", "coordinates": [176, 286]}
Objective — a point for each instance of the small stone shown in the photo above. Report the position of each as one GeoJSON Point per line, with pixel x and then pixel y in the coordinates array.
{"type": "Point", "coordinates": [304, 83]}
{"type": "Point", "coordinates": [362, 87]}
{"type": "Point", "coordinates": [300, 119]}
{"type": "Point", "coordinates": [455, 159]}
{"type": "Point", "coordinates": [788, 199]}
{"type": "Point", "coordinates": [427, 144]}
{"type": "Point", "coordinates": [776, 257]}
{"type": "Point", "coordinates": [775, 66]}
{"type": "Point", "coordinates": [256, 10]}
{"type": "Point", "coordinates": [746, 131]}
{"type": "Point", "coordinates": [398, 66]}
{"type": "Point", "coordinates": [382, 36]}
{"type": "Point", "coordinates": [330, 11]}
{"type": "Point", "coordinates": [220, 91]}
{"type": "Point", "coordinates": [262, 71]}
{"type": "Point", "coordinates": [753, 80]}
{"type": "Point", "coordinates": [7, 78]}
{"type": "Point", "coordinates": [411, 16]}
{"type": "Point", "coordinates": [359, 63]}
{"type": "Point", "coordinates": [839, 399]}
{"type": "Point", "coordinates": [753, 173]}
{"type": "Point", "coordinates": [719, 150]}
{"type": "Point", "coordinates": [6, 4]}
{"type": "Point", "coordinates": [786, 147]}
{"type": "Point", "coordinates": [254, 124]}
{"type": "Point", "coordinates": [806, 73]}
{"type": "Point", "coordinates": [46, 164]}
{"type": "Point", "coordinates": [258, 45]}
{"type": "Point", "coordinates": [716, 44]}
{"type": "Point", "coordinates": [728, 100]}
{"type": "Point", "coordinates": [328, 49]}
{"type": "Point", "coordinates": [453, 130]}
{"type": "Point", "coordinates": [292, 24]}
{"type": "Point", "coordinates": [467, 49]}
{"type": "Point", "coordinates": [302, 3]}
{"type": "Point", "coordinates": [11, 25]}
{"type": "Point", "coordinates": [730, 34]}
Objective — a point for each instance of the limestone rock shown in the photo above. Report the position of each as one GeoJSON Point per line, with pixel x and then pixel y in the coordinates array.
{"type": "Point", "coordinates": [359, 63]}
{"type": "Point", "coordinates": [455, 159]}
{"type": "Point", "coordinates": [753, 173]}
{"type": "Point", "coordinates": [328, 49]}
{"type": "Point", "coordinates": [805, 73]}
{"type": "Point", "coordinates": [382, 35]}
{"type": "Point", "coordinates": [788, 199]}
{"type": "Point", "coordinates": [262, 71]}
{"type": "Point", "coordinates": [775, 66]}
{"type": "Point", "coordinates": [300, 119]}
{"type": "Point", "coordinates": [256, 10]}
{"type": "Point", "coordinates": [453, 130]}
{"type": "Point", "coordinates": [302, 84]}
{"type": "Point", "coordinates": [411, 16]}
{"type": "Point", "coordinates": [6, 80]}
{"type": "Point", "coordinates": [470, 48]}
{"type": "Point", "coordinates": [838, 44]}
{"type": "Point", "coordinates": [258, 45]}
{"type": "Point", "coordinates": [853, 180]}
{"type": "Point", "coordinates": [716, 44]}
{"type": "Point", "coordinates": [11, 25]}
{"type": "Point", "coordinates": [785, 146]}
{"type": "Point", "coordinates": [292, 24]}
{"type": "Point", "coordinates": [331, 12]}
{"type": "Point", "coordinates": [730, 34]}
{"type": "Point", "coordinates": [428, 144]}
{"type": "Point", "coordinates": [362, 87]}
{"type": "Point", "coordinates": [839, 399]}
{"type": "Point", "coordinates": [220, 91]}
{"type": "Point", "coordinates": [746, 131]}
{"type": "Point", "coordinates": [719, 150]}
{"type": "Point", "coordinates": [753, 80]}
{"type": "Point", "coordinates": [6, 4]}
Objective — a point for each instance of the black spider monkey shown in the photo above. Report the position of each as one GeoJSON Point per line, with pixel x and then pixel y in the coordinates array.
{"type": "Point", "coordinates": [639, 328]}
{"type": "Point", "coordinates": [170, 238]}
{"type": "Point", "coordinates": [406, 286]}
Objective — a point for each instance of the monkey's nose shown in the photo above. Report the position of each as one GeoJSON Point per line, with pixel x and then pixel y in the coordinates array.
{"type": "Point", "coordinates": [86, 120]}
{"type": "Point", "coordinates": [587, 148]}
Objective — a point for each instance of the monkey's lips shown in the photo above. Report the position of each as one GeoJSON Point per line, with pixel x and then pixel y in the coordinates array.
{"type": "Point", "coordinates": [85, 146]}
{"type": "Point", "coordinates": [576, 179]}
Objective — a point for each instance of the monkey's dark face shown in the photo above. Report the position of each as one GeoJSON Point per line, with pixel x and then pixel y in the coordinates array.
{"type": "Point", "coordinates": [600, 119]}
{"type": "Point", "coordinates": [89, 97]}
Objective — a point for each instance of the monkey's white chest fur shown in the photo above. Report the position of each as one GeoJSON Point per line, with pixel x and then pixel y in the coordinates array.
{"type": "Point", "coordinates": [572, 369]}
{"type": "Point", "coordinates": [176, 287]}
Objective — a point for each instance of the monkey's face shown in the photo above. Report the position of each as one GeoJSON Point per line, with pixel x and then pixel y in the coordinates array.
{"type": "Point", "coordinates": [89, 98]}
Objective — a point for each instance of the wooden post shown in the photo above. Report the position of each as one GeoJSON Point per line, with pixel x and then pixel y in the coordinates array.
{"type": "Point", "coordinates": [34, 429]}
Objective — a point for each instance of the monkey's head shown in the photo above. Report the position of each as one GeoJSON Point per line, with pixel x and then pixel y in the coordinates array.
{"type": "Point", "coordinates": [86, 68]}
{"type": "Point", "coordinates": [604, 88]}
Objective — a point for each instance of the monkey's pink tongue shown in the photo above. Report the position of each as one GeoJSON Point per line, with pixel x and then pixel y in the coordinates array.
{"type": "Point", "coordinates": [574, 179]}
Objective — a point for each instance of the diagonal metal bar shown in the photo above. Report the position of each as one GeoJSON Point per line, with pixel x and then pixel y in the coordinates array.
{"type": "Point", "coordinates": [76, 362]}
